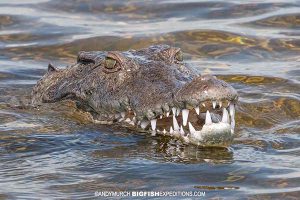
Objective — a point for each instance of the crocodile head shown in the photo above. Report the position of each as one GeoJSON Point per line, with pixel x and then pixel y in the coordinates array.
{"type": "Point", "coordinates": [151, 89]}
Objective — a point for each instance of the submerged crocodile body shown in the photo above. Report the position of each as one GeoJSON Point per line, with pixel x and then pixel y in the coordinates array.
{"type": "Point", "coordinates": [151, 89]}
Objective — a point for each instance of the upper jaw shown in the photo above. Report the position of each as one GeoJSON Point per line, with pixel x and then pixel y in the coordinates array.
{"type": "Point", "coordinates": [202, 90]}
{"type": "Point", "coordinates": [205, 88]}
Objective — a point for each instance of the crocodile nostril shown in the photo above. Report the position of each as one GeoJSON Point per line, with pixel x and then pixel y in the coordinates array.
{"type": "Point", "coordinates": [204, 87]}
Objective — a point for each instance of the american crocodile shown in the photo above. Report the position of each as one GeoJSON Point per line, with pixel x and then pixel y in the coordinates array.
{"type": "Point", "coordinates": [150, 89]}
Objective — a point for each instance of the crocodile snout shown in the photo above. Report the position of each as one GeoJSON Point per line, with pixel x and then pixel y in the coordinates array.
{"type": "Point", "coordinates": [205, 88]}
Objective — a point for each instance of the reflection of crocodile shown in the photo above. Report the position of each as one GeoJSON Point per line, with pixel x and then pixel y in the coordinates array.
{"type": "Point", "coordinates": [150, 89]}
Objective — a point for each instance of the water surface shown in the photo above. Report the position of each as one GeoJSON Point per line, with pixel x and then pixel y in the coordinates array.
{"type": "Point", "coordinates": [54, 153]}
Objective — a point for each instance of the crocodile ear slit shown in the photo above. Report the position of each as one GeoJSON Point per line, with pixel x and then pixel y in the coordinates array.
{"type": "Point", "coordinates": [51, 68]}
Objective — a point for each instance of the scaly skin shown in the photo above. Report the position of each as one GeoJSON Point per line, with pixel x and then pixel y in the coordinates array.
{"type": "Point", "coordinates": [139, 86]}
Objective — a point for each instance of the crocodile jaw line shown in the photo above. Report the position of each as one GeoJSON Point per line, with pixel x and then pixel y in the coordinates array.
{"type": "Point", "coordinates": [217, 128]}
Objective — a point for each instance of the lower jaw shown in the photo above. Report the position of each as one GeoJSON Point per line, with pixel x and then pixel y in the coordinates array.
{"type": "Point", "coordinates": [213, 135]}
{"type": "Point", "coordinates": [216, 134]}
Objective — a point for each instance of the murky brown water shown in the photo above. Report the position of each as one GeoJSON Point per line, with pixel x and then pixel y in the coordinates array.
{"type": "Point", "coordinates": [55, 154]}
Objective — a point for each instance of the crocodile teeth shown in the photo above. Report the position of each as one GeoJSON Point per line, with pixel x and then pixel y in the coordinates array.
{"type": "Point", "coordinates": [208, 118]}
{"type": "Point", "coordinates": [175, 124]}
{"type": "Point", "coordinates": [153, 124]}
{"type": "Point", "coordinates": [111, 116]}
{"type": "Point", "coordinates": [174, 111]}
{"type": "Point", "coordinates": [185, 115]}
{"type": "Point", "coordinates": [214, 103]}
{"type": "Point", "coordinates": [123, 114]}
{"type": "Point", "coordinates": [171, 130]}
{"type": "Point", "coordinates": [160, 117]}
{"type": "Point", "coordinates": [197, 109]}
{"type": "Point", "coordinates": [164, 131]}
{"type": "Point", "coordinates": [167, 114]}
{"type": "Point", "coordinates": [232, 126]}
{"type": "Point", "coordinates": [134, 119]}
{"type": "Point", "coordinates": [192, 129]}
{"type": "Point", "coordinates": [220, 104]}
{"type": "Point", "coordinates": [203, 104]}
{"type": "Point", "coordinates": [181, 130]}
{"type": "Point", "coordinates": [128, 120]}
{"type": "Point", "coordinates": [231, 110]}
{"type": "Point", "coordinates": [144, 124]}
{"type": "Point", "coordinates": [232, 113]}
{"type": "Point", "coordinates": [178, 112]}
{"type": "Point", "coordinates": [225, 117]}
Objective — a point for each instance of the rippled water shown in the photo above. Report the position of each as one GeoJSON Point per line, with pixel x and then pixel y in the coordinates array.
{"type": "Point", "coordinates": [54, 153]}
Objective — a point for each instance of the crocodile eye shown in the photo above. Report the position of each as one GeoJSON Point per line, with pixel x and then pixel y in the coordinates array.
{"type": "Point", "coordinates": [110, 63]}
{"type": "Point", "coordinates": [178, 56]}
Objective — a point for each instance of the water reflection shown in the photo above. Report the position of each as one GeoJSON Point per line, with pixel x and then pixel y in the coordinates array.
{"type": "Point", "coordinates": [167, 150]}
